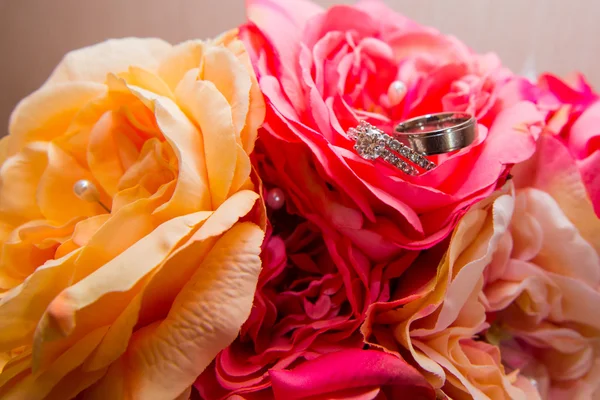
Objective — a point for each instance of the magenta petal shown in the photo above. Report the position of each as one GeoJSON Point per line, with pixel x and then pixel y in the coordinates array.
{"type": "Point", "coordinates": [581, 94]}
{"type": "Point", "coordinates": [351, 369]}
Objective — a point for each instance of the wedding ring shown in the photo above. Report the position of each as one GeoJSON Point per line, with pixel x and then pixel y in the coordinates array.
{"type": "Point", "coordinates": [438, 133]}
{"type": "Point", "coordinates": [372, 144]}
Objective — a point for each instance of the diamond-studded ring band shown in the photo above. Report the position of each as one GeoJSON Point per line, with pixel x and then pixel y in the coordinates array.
{"type": "Point", "coordinates": [372, 143]}
{"type": "Point", "coordinates": [438, 133]}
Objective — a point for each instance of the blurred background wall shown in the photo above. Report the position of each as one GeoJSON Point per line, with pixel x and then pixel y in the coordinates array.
{"type": "Point", "coordinates": [556, 35]}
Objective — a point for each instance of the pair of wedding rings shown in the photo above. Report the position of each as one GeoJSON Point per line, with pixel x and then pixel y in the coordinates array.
{"type": "Point", "coordinates": [415, 139]}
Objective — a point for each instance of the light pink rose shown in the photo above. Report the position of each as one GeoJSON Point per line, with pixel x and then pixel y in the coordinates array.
{"type": "Point", "coordinates": [436, 315]}
{"type": "Point", "coordinates": [542, 287]}
{"type": "Point", "coordinates": [323, 71]}
{"type": "Point", "coordinates": [521, 276]}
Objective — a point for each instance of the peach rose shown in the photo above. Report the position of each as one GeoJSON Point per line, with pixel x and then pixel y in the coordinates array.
{"type": "Point", "coordinates": [543, 284]}
{"type": "Point", "coordinates": [131, 230]}
{"type": "Point", "coordinates": [517, 288]}
{"type": "Point", "coordinates": [435, 314]}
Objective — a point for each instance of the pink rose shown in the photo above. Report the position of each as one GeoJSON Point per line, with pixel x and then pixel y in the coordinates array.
{"type": "Point", "coordinates": [543, 284]}
{"type": "Point", "coordinates": [574, 117]}
{"type": "Point", "coordinates": [323, 71]}
{"type": "Point", "coordinates": [311, 298]}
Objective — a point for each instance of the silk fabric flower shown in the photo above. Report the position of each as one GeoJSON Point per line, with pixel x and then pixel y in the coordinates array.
{"type": "Point", "coordinates": [522, 275]}
{"type": "Point", "coordinates": [542, 287]}
{"type": "Point", "coordinates": [134, 301]}
{"type": "Point", "coordinates": [324, 70]}
{"type": "Point", "coordinates": [574, 117]}
{"type": "Point", "coordinates": [312, 296]}
{"type": "Point", "coordinates": [436, 314]}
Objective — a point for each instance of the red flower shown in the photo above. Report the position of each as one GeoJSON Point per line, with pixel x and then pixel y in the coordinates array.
{"type": "Point", "coordinates": [312, 297]}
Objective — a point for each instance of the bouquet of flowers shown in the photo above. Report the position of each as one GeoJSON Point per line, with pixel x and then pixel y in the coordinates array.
{"type": "Point", "coordinates": [319, 204]}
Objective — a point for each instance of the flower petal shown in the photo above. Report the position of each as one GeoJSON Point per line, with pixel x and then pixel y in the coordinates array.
{"type": "Point", "coordinates": [555, 172]}
{"type": "Point", "coordinates": [165, 358]}
{"type": "Point", "coordinates": [19, 177]}
{"type": "Point", "coordinates": [22, 307]}
{"type": "Point", "coordinates": [93, 63]}
{"type": "Point", "coordinates": [212, 114]}
{"type": "Point", "coordinates": [232, 79]}
{"type": "Point", "coordinates": [39, 385]}
{"type": "Point", "coordinates": [348, 369]}
{"type": "Point", "coordinates": [56, 187]}
{"type": "Point", "coordinates": [98, 299]}
{"type": "Point", "coordinates": [47, 113]}
{"type": "Point", "coordinates": [191, 192]}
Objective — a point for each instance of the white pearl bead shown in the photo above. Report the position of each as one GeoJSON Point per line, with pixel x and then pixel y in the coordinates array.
{"type": "Point", "coordinates": [396, 92]}
{"type": "Point", "coordinates": [534, 383]}
{"type": "Point", "coordinates": [275, 198]}
{"type": "Point", "coordinates": [86, 190]}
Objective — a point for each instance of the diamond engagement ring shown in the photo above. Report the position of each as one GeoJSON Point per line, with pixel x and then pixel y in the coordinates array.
{"type": "Point", "coordinates": [372, 143]}
{"type": "Point", "coordinates": [438, 133]}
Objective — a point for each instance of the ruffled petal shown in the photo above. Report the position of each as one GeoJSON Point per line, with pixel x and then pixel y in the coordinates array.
{"type": "Point", "coordinates": [93, 63]}
{"type": "Point", "coordinates": [367, 370]}
{"type": "Point", "coordinates": [165, 358]}
{"type": "Point", "coordinates": [47, 113]}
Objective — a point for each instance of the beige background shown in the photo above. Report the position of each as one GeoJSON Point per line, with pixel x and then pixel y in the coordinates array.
{"type": "Point", "coordinates": [557, 35]}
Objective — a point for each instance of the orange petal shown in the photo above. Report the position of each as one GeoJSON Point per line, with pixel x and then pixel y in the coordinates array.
{"type": "Point", "coordinates": [211, 112]}
{"type": "Point", "coordinates": [179, 268]}
{"type": "Point", "coordinates": [38, 385]}
{"type": "Point", "coordinates": [168, 279]}
{"type": "Point", "coordinates": [111, 239]}
{"type": "Point", "coordinates": [56, 188]}
{"type": "Point", "coordinates": [107, 143]}
{"type": "Point", "coordinates": [257, 108]}
{"type": "Point", "coordinates": [83, 232]}
{"type": "Point", "coordinates": [110, 386]}
{"type": "Point", "coordinates": [22, 307]}
{"type": "Point", "coordinates": [145, 79]}
{"type": "Point", "coordinates": [151, 170]}
{"type": "Point", "coordinates": [11, 372]}
{"type": "Point", "coordinates": [165, 358]}
{"type": "Point", "coordinates": [182, 58]}
{"type": "Point", "coordinates": [191, 193]}
{"type": "Point", "coordinates": [19, 179]}
{"type": "Point", "coordinates": [74, 383]}
{"type": "Point", "coordinates": [100, 297]}
{"type": "Point", "coordinates": [223, 69]}
{"type": "Point", "coordinates": [116, 340]}
{"type": "Point", "coordinates": [30, 246]}
{"type": "Point", "coordinates": [93, 63]}
{"type": "Point", "coordinates": [162, 289]}
{"type": "Point", "coordinates": [131, 195]}
{"type": "Point", "coordinates": [241, 177]}
{"type": "Point", "coordinates": [47, 113]}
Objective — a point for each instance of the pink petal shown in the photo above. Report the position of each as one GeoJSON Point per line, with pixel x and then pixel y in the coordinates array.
{"type": "Point", "coordinates": [584, 131]}
{"type": "Point", "coordinates": [350, 369]}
